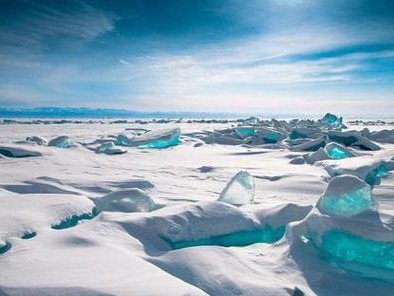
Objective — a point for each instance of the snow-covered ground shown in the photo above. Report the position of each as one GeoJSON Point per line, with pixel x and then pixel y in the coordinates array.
{"type": "Point", "coordinates": [80, 221]}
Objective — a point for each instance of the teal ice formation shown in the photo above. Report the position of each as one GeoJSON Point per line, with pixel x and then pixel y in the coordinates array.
{"type": "Point", "coordinates": [240, 190]}
{"type": "Point", "coordinates": [347, 232]}
{"type": "Point", "coordinates": [347, 196]}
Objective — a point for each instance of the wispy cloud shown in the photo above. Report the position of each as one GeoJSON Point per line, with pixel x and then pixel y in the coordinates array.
{"type": "Point", "coordinates": [33, 25]}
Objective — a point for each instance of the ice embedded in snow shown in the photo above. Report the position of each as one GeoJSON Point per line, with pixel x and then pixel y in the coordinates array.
{"type": "Point", "coordinates": [297, 160]}
{"type": "Point", "coordinates": [318, 155]}
{"type": "Point", "coordinates": [245, 131]}
{"type": "Point", "coordinates": [110, 148]}
{"type": "Point", "coordinates": [269, 135]}
{"type": "Point", "coordinates": [337, 151]}
{"type": "Point", "coordinates": [342, 246]}
{"type": "Point", "coordinates": [17, 152]}
{"type": "Point", "coordinates": [373, 177]}
{"type": "Point", "coordinates": [331, 121]}
{"type": "Point", "coordinates": [365, 167]}
{"type": "Point", "coordinates": [124, 140]}
{"type": "Point", "coordinates": [161, 138]}
{"type": "Point", "coordinates": [128, 200]}
{"type": "Point", "coordinates": [352, 138]}
{"type": "Point", "coordinates": [73, 220]}
{"type": "Point", "coordinates": [37, 140]}
{"type": "Point", "coordinates": [346, 196]}
{"type": "Point", "coordinates": [4, 247]}
{"type": "Point", "coordinates": [240, 190]}
{"type": "Point", "coordinates": [61, 142]}
{"type": "Point", "coordinates": [312, 145]}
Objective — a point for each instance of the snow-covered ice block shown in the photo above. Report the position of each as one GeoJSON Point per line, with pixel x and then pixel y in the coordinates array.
{"type": "Point", "coordinates": [110, 148]}
{"type": "Point", "coordinates": [245, 131]}
{"type": "Point", "coordinates": [240, 190]}
{"type": "Point", "coordinates": [61, 142]}
{"type": "Point", "coordinates": [37, 140]}
{"type": "Point", "coordinates": [161, 138]}
{"type": "Point", "coordinates": [352, 138]}
{"type": "Point", "coordinates": [269, 135]}
{"type": "Point", "coordinates": [346, 196]}
{"type": "Point", "coordinates": [267, 234]}
{"type": "Point", "coordinates": [343, 246]}
{"type": "Point", "coordinates": [318, 155]}
{"type": "Point", "coordinates": [337, 151]}
{"type": "Point", "coordinates": [124, 140]}
{"type": "Point", "coordinates": [297, 160]}
{"type": "Point", "coordinates": [129, 200]}
{"type": "Point", "coordinates": [303, 132]}
{"type": "Point", "coordinates": [384, 136]}
{"type": "Point", "coordinates": [73, 220]}
{"type": "Point", "coordinates": [17, 152]}
{"type": "Point", "coordinates": [365, 167]}
{"type": "Point", "coordinates": [311, 145]}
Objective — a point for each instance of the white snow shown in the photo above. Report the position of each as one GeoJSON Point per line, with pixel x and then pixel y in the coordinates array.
{"type": "Point", "coordinates": [123, 217]}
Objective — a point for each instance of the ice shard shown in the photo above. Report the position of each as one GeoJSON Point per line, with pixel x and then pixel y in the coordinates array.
{"type": "Point", "coordinates": [312, 145]}
{"type": "Point", "coordinates": [245, 131]}
{"type": "Point", "coordinates": [128, 200]}
{"type": "Point", "coordinates": [331, 121]}
{"type": "Point", "coordinates": [123, 140]}
{"type": "Point", "coordinates": [110, 148]}
{"type": "Point", "coordinates": [373, 177]}
{"type": "Point", "coordinates": [36, 140]}
{"type": "Point", "coordinates": [346, 196]}
{"type": "Point", "coordinates": [61, 142]}
{"type": "Point", "coordinates": [352, 139]}
{"type": "Point", "coordinates": [337, 151]}
{"type": "Point", "coordinates": [240, 190]}
{"type": "Point", "coordinates": [163, 138]}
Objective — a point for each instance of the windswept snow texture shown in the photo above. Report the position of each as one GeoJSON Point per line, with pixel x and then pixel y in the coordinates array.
{"type": "Point", "coordinates": [240, 190]}
{"type": "Point", "coordinates": [250, 206]}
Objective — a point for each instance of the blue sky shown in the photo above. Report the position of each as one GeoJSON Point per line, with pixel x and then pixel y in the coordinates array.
{"type": "Point", "coordinates": [207, 55]}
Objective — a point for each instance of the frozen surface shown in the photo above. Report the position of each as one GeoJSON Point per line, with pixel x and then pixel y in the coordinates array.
{"type": "Point", "coordinates": [86, 221]}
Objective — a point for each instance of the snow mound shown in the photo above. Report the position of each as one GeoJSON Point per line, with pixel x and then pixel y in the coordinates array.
{"type": "Point", "coordinates": [129, 200]}
{"type": "Point", "coordinates": [346, 196]}
{"type": "Point", "coordinates": [240, 190]}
